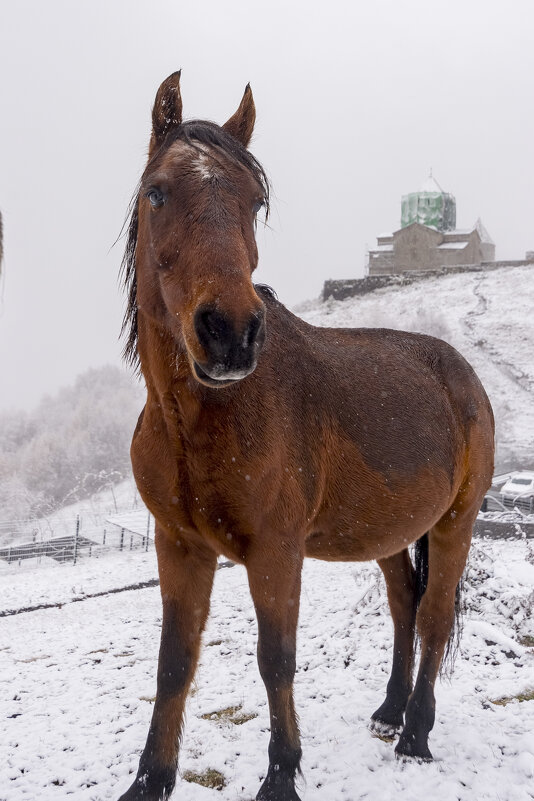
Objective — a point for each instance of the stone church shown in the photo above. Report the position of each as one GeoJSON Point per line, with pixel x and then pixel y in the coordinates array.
{"type": "Point", "coordinates": [428, 238]}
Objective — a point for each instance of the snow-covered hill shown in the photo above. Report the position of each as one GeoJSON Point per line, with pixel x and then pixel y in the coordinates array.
{"type": "Point", "coordinates": [488, 317]}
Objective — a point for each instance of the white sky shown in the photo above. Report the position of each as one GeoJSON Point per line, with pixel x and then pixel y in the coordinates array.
{"type": "Point", "coordinates": [355, 103]}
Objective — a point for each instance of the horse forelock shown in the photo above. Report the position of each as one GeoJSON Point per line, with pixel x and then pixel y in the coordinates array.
{"type": "Point", "coordinates": [210, 141]}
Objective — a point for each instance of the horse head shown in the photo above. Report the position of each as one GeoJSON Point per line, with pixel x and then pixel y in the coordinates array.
{"type": "Point", "coordinates": [195, 248]}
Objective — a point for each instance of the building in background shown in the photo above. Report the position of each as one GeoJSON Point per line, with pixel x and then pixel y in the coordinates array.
{"type": "Point", "coordinates": [428, 238]}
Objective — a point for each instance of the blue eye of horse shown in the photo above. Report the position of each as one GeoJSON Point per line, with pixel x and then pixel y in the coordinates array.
{"type": "Point", "coordinates": [155, 197]}
{"type": "Point", "coordinates": [257, 206]}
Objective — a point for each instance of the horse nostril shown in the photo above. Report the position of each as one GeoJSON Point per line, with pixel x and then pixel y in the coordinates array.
{"type": "Point", "coordinates": [254, 331]}
{"type": "Point", "coordinates": [210, 326]}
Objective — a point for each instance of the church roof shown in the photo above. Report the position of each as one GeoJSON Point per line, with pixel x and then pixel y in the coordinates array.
{"type": "Point", "coordinates": [483, 234]}
{"type": "Point", "coordinates": [431, 186]}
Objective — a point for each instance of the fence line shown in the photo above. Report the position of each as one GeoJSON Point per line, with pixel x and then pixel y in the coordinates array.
{"type": "Point", "coordinates": [33, 543]}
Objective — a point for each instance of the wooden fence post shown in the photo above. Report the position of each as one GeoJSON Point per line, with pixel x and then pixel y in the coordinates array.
{"type": "Point", "coordinates": [76, 535]}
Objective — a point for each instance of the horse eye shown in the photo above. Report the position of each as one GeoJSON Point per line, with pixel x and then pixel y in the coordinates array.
{"type": "Point", "coordinates": [156, 198]}
{"type": "Point", "coordinates": [257, 206]}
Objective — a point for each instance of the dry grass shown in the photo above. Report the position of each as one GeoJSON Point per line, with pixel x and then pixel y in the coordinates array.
{"type": "Point", "coordinates": [33, 659]}
{"type": "Point", "coordinates": [230, 714]}
{"type": "Point", "coordinates": [209, 778]}
{"type": "Point", "coordinates": [528, 695]}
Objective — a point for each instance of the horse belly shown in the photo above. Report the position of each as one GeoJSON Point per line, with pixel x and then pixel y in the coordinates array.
{"type": "Point", "coordinates": [363, 545]}
{"type": "Point", "coordinates": [368, 524]}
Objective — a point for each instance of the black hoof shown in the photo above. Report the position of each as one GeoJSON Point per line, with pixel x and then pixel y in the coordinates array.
{"type": "Point", "coordinates": [154, 786]}
{"type": "Point", "coordinates": [278, 787]}
{"type": "Point", "coordinates": [390, 715]}
{"type": "Point", "coordinates": [409, 747]}
{"type": "Point", "coordinates": [383, 730]}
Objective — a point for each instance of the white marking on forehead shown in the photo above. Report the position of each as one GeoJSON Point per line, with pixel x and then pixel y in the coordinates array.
{"type": "Point", "coordinates": [202, 163]}
{"type": "Point", "coordinates": [204, 166]}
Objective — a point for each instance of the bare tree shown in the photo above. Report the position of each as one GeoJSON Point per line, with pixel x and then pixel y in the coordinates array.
{"type": "Point", "coordinates": [72, 445]}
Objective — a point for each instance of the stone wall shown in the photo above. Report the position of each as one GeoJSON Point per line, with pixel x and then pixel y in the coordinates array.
{"type": "Point", "coordinates": [383, 263]}
{"type": "Point", "coordinates": [415, 247]}
{"type": "Point", "coordinates": [470, 254]}
{"type": "Point", "coordinates": [487, 250]}
{"type": "Point", "coordinates": [352, 287]}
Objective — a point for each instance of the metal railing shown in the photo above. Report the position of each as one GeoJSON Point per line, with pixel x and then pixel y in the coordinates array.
{"type": "Point", "coordinates": [497, 502]}
{"type": "Point", "coordinates": [32, 543]}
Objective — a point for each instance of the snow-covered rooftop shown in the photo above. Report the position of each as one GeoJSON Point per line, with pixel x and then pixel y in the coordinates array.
{"type": "Point", "coordinates": [453, 246]}
{"type": "Point", "coordinates": [482, 232]}
{"type": "Point", "coordinates": [431, 185]}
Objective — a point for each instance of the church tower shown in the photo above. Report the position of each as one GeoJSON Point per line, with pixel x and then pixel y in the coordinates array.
{"type": "Point", "coordinates": [431, 206]}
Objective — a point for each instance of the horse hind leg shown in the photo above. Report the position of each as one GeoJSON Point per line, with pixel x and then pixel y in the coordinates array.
{"type": "Point", "coordinates": [401, 588]}
{"type": "Point", "coordinates": [448, 547]}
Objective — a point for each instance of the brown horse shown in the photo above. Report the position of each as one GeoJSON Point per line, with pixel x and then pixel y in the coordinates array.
{"type": "Point", "coordinates": [267, 440]}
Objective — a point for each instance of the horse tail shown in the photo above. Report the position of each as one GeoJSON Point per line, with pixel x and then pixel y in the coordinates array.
{"type": "Point", "coordinates": [421, 568]}
{"type": "Point", "coordinates": [421, 581]}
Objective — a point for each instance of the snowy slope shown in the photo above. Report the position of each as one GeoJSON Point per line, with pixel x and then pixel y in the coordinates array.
{"type": "Point", "coordinates": [77, 684]}
{"type": "Point", "coordinates": [486, 316]}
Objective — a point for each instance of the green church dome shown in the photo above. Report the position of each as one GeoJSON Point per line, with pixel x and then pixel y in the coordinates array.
{"type": "Point", "coordinates": [431, 206]}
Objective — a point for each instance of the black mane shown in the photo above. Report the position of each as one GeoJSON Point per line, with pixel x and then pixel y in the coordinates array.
{"type": "Point", "coordinates": [192, 132]}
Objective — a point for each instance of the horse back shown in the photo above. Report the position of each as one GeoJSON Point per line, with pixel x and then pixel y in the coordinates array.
{"type": "Point", "coordinates": [390, 424]}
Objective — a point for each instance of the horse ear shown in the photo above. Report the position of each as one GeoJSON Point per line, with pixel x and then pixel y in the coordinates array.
{"type": "Point", "coordinates": [167, 111]}
{"type": "Point", "coordinates": [241, 124]}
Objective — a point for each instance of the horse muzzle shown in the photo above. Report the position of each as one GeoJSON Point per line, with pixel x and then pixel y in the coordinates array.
{"type": "Point", "coordinates": [231, 351]}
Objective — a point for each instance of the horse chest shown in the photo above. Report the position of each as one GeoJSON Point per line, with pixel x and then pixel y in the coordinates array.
{"type": "Point", "coordinates": [197, 486]}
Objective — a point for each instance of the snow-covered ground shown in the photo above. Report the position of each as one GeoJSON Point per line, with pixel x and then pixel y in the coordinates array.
{"type": "Point", "coordinates": [486, 316]}
{"type": "Point", "coordinates": [77, 681]}
{"type": "Point", "coordinates": [77, 684]}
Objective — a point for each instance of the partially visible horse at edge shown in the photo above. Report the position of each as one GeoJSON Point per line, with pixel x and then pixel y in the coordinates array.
{"type": "Point", "coordinates": [266, 439]}
{"type": "Point", "coordinates": [1, 242]}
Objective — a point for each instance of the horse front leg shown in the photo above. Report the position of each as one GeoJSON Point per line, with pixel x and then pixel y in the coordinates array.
{"type": "Point", "coordinates": [400, 581]}
{"type": "Point", "coordinates": [274, 581]}
{"type": "Point", "coordinates": [186, 578]}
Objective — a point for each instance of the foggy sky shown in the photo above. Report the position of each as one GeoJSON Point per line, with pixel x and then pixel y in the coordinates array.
{"type": "Point", "coordinates": [355, 101]}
